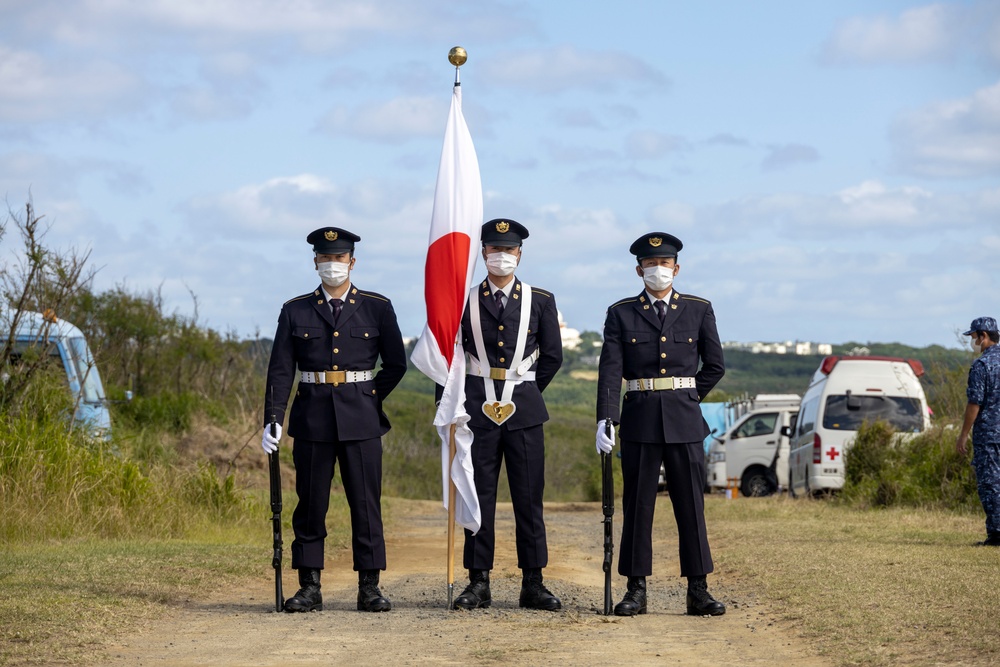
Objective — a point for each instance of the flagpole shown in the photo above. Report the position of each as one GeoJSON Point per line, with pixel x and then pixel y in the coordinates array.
{"type": "Point", "coordinates": [451, 518]}
{"type": "Point", "coordinates": [457, 57]}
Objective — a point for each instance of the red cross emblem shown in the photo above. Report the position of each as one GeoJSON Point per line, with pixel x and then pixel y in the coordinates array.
{"type": "Point", "coordinates": [833, 454]}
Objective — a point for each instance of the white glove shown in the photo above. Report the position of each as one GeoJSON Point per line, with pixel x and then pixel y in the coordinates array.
{"type": "Point", "coordinates": [605, 443]}
{"type": "Point", "coordinates": [269, 442]}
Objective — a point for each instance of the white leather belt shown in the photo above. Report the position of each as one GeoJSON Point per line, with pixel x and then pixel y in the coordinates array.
{"type": "Point", "coordinates": [334, 377]}
{"type": "Point", "coordinates": [659, 384]}
{"type": "Point", "coordinates": [519, 374]}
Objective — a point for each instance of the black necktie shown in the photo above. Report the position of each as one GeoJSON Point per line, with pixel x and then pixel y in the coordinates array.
{"type": "Point", "coordinates": [499, 298]}
{"type": "Point", "coordinates": [661, 310]}
{"type": "Point", "coordinates": [336, 305]}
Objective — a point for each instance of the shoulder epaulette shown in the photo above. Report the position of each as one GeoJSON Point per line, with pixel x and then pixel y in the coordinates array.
{"type": "Point", "coordinates": [629, 300]}
{"type": "Point", "coordinates": [373, 295]}
{"type": "Point", "coordinates": [539, 290]}
{"type": "Point", "coordinates": [694, 298]}
{"type": "Point", "coordinates": [298, 298]}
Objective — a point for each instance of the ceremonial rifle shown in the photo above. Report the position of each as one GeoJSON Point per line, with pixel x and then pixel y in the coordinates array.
{"type": "Point", "coordinates": [275, 469]}
{"type": "Point", "coordinates": [608, 506]}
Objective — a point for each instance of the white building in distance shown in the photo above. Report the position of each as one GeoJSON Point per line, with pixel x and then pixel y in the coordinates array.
{"type": "Point", "coordinates": [787, 347]}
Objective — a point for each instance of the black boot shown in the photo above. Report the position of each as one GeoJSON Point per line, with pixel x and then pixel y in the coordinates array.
{"type": "Point", "coordinates": [477, 594]}
{"type": "Point", "coordinates": [534, 594]}
{"type": "Point", "coordinates": [308, 598]}
{"type": "Point", "coordinates": [992, 540]}
{"type": "Point", "coordinates": [634, 601]}
{"type": "Point", "coordinates": [369, 596]}
{"type": "Point", "coordinates": [699, 601]}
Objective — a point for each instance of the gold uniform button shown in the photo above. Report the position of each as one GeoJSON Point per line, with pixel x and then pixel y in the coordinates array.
{"type": "Point", "coordinates": [336, 384]}
{"type": "Point", "coordinates": [663, 355]}
{"type": "Point", "coordinates": [336, 333]}
{"type": "Point", "coordinates": [336, 350]}
{"type": "Point", "coordinates": [633, 340]}
{"type": "Point", "coordinates": [373, 392]}
{"type": "Point", "coordinates": [501, 327]}
{"type": "Point", "coordinates": [663, 339]}
{"type": "Point", "coordinates": [500, 343]}
{"type": "Point", "coordinates": [689, 340]}
{"type": "Point", "coordinates": [502, 360]}
{"type": "Point", "coordinates": [336, 368]}
{"type": "Point", "coordinates": [663, 371]}
{"type": "Point", "coordinates": [305, 335]}
{"type": "Point", "coordinates": [366, 336]}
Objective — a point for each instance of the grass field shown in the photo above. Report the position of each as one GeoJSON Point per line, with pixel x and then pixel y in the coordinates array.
{"type": "Point", "coordinates": [879, 587]}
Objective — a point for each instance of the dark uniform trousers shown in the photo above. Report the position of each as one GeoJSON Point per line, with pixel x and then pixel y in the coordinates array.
{"type": "Point", "coordinates": [336, 423]}
{"type": "Point", "coordinates": [519, 442]}
{"type": "Point", "coordinates": [661, 426]}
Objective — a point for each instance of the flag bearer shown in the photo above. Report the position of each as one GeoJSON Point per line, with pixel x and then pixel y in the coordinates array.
{"type": "Point", "coordinates": [330, 340]}
{"type": "Point", "coordinates": [665, 345]}
{"type": "Point", "coordinates": [511, 332]}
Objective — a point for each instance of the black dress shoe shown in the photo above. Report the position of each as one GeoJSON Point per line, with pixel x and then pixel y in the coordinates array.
{"type": "Point", "coordinates": [477, 594]}
{"type": "Point", "coordinates": [369, 596]}
{"type": "Point", "coordinates": [534, 594]}
{"type": "Point", "coordinates": [308, 597]}
{"type": "Point", "coordinates": [992, 540]}
{"type": "Point", "coordinates": [634, 601]}
{"type": "Point", "coordinates": [699, 601]}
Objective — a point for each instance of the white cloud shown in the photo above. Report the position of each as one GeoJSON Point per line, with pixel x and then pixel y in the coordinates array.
{"type": "Point", "coordinates": [394, 121]}
{"type": "Point", "coordinates": [919, 34]}
{"type": "Point", "coordinates": [786, 155]}
{"type": "Point", "coordinates": [650, 144]}
{"type": "Point", "coordinates": [956, 138]}
{"type": "Point", "coordinates": [35, 89]}
{"type": "Point", "coordinates": [566, 67]}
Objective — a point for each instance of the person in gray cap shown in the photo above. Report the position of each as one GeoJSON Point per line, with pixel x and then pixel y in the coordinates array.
{"type": "Point", "coordinates": [666, 347]}
{"type": "Point", "coordinates": [330, 340]}
{"type": "Point", "coordinates": [982, 420]}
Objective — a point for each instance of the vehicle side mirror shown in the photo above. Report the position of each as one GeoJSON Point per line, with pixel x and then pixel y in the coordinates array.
{"type": "Point", "coordinates": [786, 431]}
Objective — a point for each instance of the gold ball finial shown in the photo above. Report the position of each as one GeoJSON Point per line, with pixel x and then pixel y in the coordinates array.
{"type": "Point", "coordinates": [457, 56]}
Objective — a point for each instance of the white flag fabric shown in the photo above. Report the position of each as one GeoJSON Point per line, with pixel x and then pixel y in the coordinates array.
{"type": "Point", "coordinates": [451, 257]}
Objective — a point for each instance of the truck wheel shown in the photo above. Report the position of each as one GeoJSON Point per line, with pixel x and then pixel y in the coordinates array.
{"type": "Point", "coordinates": [756, 483]}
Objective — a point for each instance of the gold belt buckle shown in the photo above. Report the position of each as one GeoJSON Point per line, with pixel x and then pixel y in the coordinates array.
{"type": "Point", "coordinates": [663, 383]}
{"type": "Point", "coordinates": [498, 373]}
{"type": "Point", "coordinates": [334, 377]}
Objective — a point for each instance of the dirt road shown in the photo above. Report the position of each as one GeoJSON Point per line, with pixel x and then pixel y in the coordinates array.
{"type": "Point", "coordinates": [240, 627]}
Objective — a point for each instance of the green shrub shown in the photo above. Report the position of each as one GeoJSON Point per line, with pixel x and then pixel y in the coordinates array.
{"type": "Point", "coordinates": [923, 471]}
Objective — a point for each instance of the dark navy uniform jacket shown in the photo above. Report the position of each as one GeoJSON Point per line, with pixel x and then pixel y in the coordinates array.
{"type": "Point", "coordinates": [500, 341]}
{"type": "Point", "coordinates": [307, 340]}
{"type": "Point", "coordinates": [637, 346]}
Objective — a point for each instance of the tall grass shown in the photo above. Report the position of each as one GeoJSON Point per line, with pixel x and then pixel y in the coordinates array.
{"type": "Point", "coordinates": [57, 483]}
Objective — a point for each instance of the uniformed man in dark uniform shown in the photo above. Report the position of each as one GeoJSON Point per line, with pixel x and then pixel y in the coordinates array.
{"type": "Point", "coordinates": [511, 333]}
{"type": "Point", "coordinates": [329, 340]}
{"type": "Point", "coordinates": [656, 342]}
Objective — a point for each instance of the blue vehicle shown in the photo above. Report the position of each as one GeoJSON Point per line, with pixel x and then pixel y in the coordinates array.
{"type": "Point", "coordinates": [67, 344]}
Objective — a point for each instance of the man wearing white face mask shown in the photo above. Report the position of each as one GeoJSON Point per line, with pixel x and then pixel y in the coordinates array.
{"type": "Point", "coordinates": [511, 332]}
{"type": "Point", "coordinates": [330, 340]}
{"type": "Point", "coordinates": [666, 347]}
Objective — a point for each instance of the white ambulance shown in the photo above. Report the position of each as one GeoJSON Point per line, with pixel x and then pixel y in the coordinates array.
{"type": "Point", "coordinates": [753, 451]}
{"type": "Point", "coordinates": [843, 393]}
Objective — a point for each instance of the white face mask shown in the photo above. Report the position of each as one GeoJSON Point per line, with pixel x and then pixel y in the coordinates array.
{"type": "Point", "coordinates": [977, 347]}
{"type": "Point", "coordinates": [658, 278]}
{"type": "Point", "coordinates": [501, 263]}
{"type": "Point", "coordinates": [333, 274]}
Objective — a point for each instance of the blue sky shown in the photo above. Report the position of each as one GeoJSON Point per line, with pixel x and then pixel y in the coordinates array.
{"type": "Point", "coordinates": [833, 168]}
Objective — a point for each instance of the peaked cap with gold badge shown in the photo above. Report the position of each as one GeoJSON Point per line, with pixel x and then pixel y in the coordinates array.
{"type": "Point", "coordinates": [503, 232]}
{"type": "Point", "coordinates": [656, 244]}
{"type": "Point", "coordinates": [332, 240]}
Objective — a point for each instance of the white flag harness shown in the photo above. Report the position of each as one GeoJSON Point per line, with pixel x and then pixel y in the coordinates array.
{"type": "Point", "coordinates": [500, 411]}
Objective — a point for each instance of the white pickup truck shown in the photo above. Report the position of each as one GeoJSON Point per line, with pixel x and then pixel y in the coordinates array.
{"type": "Point", "coordinates": [753, 451]}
